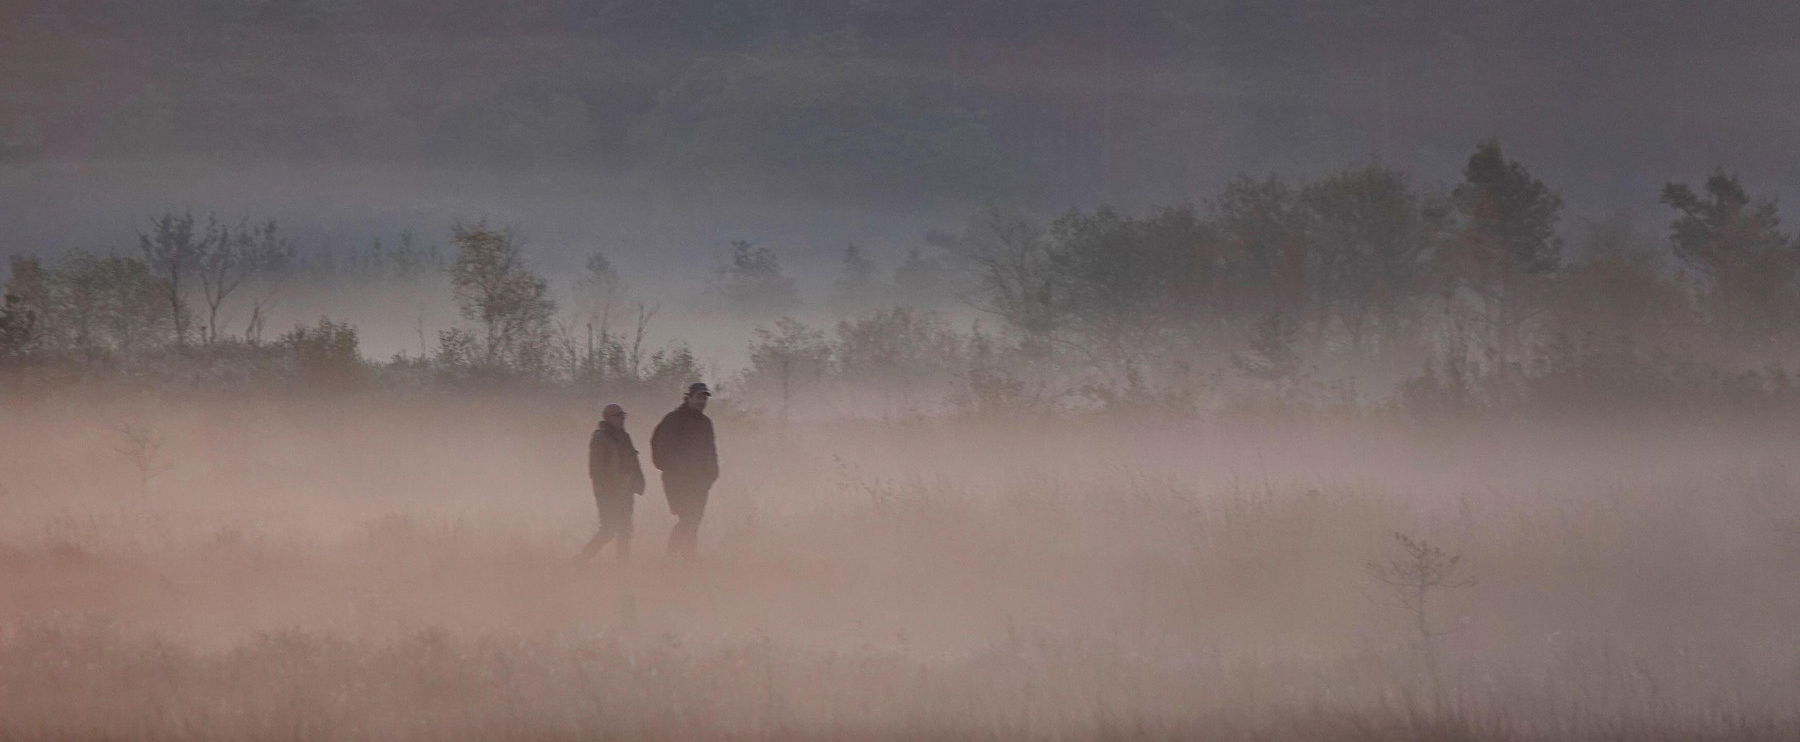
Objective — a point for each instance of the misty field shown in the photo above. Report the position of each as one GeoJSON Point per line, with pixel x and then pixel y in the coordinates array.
{"type": "Point", "coordinates": [1085, 370]}
{"type": "Point", "coordinates": [368, 568]}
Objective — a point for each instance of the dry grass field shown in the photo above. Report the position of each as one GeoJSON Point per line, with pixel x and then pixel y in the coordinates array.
{"type": "Point", "coordinates": [383, 569]}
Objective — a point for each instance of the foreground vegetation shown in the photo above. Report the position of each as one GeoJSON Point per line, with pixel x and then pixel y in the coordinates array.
{"type": "Point", "coordinates": [381, 568]}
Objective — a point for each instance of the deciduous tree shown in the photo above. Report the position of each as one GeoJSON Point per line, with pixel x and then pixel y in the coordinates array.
{"type": "Point", "coordinates": [493, 286]}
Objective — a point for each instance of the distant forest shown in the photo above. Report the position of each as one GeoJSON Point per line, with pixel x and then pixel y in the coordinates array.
{"type": "Point", "coordinates": [1347, 292]}
{"type": "Point", "coordinates": [1054, 103]}
{"type": "Point", "coordinates": [1117, 257]}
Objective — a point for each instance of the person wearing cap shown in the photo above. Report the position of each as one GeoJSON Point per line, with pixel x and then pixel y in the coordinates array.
{"type": "Point", "coordinates": [682, 448]}
{"type": "Point", "coordinates": [618, 479]}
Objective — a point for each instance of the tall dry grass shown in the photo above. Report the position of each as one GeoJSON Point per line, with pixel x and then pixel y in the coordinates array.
{"type": "Point", "coordinates": [391, 569]}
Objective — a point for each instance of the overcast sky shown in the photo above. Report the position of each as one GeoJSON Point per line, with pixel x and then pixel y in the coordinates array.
{"type": "Point", "coordinates": [675, 126]}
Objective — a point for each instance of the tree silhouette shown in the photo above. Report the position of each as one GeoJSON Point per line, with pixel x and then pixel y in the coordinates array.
{"type": "Point", "coordinates": [1506, 237]}
{"type": "Point", "coordinates": [173, 249]}
{"type": "Point", "coordinates": [493, 286]}
{"type": "Point", "coordinates": [857, 284]}
{"type": "Point", "coordinates": [1736, 244]}
{"type": "Point", "coordinates": [786, 358]}
{"type": "Point", "coordinates": [1420, 570]}
{"type": "Point", "coordinates": [142, 446]}
{"type": "Point", "coordinates": [18, 328]}
{"type": "Point", "coordinates": [228, 258]}
{"type": "Point", "coordinates": [753, 281]}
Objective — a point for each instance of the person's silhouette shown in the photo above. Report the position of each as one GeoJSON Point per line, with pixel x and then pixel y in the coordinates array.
{"type": "Point", "coordinates": [618, 479]}
{"type": "Point", "coordinates": [682, 448]}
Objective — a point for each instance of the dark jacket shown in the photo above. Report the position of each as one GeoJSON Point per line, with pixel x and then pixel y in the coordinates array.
{"type": "Point", "coordinates": [613, 462]}
{"type": "Point", "coordinates": [682, 446]}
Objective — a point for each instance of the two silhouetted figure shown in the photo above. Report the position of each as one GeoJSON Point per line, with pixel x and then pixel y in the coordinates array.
{"type": "Point", "coordinates": [681, 447]}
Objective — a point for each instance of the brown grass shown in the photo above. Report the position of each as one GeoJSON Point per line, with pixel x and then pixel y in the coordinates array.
{"type": "Point", "coordinates": [382, 569]}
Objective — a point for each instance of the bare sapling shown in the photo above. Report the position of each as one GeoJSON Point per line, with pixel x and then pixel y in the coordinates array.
{"type": "Point", "coordinates": [1420, 570]}
{"type": "Point", "coordinates": [142, 446]}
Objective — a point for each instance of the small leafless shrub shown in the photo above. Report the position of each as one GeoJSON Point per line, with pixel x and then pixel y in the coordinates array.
{"type": "Point", "coordinates": [1420, 570]}
{"type": "Point", "coordinates": [142, 445]}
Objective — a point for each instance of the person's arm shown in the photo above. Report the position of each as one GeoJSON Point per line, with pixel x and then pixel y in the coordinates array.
{"type": "Point", "coordinates": [658, 444]}
{"type": "Point", "coordinates": [711, 452]}
{"type": "Point", "coordinates": [630, 472]}
{"type": "Point", "coordinates": [616, 475]}
{"type": "Point", "coordinates": [637, 475]}
{"type": "Point", "coordinates": [596, 457]}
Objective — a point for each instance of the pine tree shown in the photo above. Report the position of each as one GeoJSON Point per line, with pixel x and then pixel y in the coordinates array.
{"type": "Point", "coordinates": [1506, 239]}
{"type": "Point", "coordinates": [1736, 244]}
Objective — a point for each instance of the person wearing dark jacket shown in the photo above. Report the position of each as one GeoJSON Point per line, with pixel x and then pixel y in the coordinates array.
{"type": "Point", "coordinates": [682, 448]}
{"type": "Point", "coordinates": [617, 477]}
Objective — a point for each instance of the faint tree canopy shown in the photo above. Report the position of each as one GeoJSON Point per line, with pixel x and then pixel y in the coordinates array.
{"type": "Point", "coordinates": [492, 286]}
{"type": "Point", "coordinates": [753, 281]}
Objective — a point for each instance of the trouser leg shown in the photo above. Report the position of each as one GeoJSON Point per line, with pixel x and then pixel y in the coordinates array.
{"type": "Point", "coordinates": [594, 545]}
{"type": "Point", "coordinates": [688, 503]}
{"type": "Point", "coordinates": [620, 523]}
{"type": "Point", "coordinates": [615, 523]}
{"type": "Point", "coordinates": [685, 537]}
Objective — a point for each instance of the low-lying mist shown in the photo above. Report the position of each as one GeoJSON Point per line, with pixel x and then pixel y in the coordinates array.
{"type": "Point", "coordinates": [255, 566]}
{"type": "Point", "coordinates": [1083, 370]}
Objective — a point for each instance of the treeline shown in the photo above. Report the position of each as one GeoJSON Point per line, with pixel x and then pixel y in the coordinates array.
{"type": "Point", "coordinates": [156, 316]}
{"type": "Point", "coordinates": [1351, 290]}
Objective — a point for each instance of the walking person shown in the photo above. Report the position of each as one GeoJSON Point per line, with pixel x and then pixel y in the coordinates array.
{"type": "Point", "coordinates": [618, 480]}
{"type": "Point", "coordinates": [682, 448]}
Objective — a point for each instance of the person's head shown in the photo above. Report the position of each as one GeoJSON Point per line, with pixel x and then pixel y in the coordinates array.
{"type": "Point", "coordinates": [696, 397]}
{"type": "Point", "coordinates": [613, 415]}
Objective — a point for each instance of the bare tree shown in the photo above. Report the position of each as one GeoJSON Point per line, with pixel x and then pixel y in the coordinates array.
{"type": "Point", "coordinates": [599, 284]}
{"type": "Point", "coordinates": [173, 251]}
{"type": "Point", "coordinates": [1013, 260]}
{"type": "Point", "coordinates": [142, 446]}
{"type": "Point", "coordinates": [639, 328]}
{"type": "Point", "coordinates": [253, 330]}
{"type": "Point", "coordinates": [227, 259]}
{"type": "Point", "coordinates": [1415, 574]}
